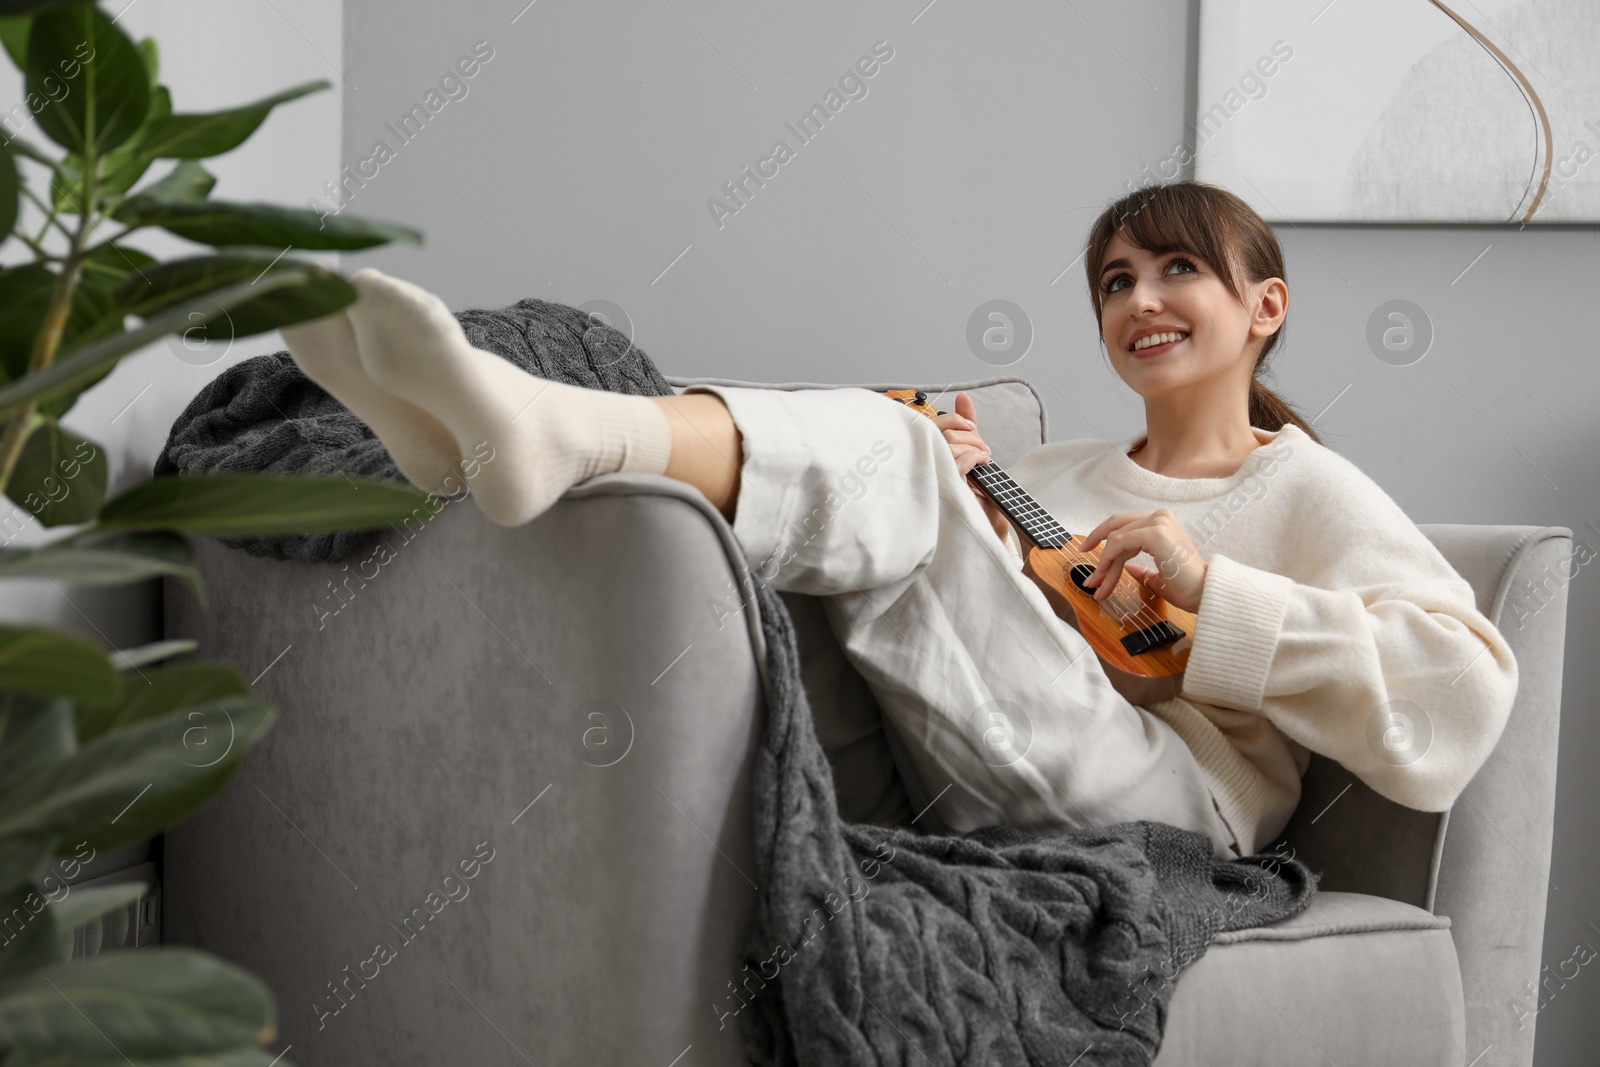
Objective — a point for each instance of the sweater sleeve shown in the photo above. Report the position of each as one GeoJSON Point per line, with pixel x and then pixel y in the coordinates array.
{"type": "Point", "coordinates": [1379, 660]}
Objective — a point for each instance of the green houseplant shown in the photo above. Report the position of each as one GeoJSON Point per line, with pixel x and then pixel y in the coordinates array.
{"type": "Point", "coordinates": [101, 748]}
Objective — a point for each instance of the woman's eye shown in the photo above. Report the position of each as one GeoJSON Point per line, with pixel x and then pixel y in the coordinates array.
{"type": "Point", "coordinates": [1116, 283]}
{"type": "Point", "coordinates": [1181, 262]}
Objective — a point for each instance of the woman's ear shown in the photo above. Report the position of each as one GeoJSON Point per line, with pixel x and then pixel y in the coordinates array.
{"type": "Point", "coordinates": [1270, 307]}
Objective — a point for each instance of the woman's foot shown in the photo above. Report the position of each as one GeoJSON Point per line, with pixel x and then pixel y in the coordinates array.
{"type": "Point", "coordinates": [546, 436]}
{"type": "Point", "coordinates": [423, 449]}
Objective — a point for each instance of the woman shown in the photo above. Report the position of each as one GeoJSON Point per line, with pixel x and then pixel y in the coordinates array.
{"type": "Point", "coordinates": [1325, 620]}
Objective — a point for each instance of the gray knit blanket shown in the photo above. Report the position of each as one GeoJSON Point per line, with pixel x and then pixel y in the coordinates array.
{"type": "Point", "coordinates": [868, 944]}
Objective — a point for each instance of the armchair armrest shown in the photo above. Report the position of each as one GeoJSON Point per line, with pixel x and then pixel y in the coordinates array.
{"type": "Point", "coordinates": [1492, 859]}
{"type": "Point", "coordinates": [1485, 863]}
{"type": "Point", "coordinates": [558, 695]}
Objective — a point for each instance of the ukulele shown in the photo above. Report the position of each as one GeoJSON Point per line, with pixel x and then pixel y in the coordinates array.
{"type": "Point", "coordinates": [1131, 631]}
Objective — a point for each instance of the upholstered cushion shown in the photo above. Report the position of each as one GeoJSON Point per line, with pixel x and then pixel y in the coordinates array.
{"type": "Point", "coordinates": [1352, 979]}
{"type": "Point", "coordinates": [850, 725]}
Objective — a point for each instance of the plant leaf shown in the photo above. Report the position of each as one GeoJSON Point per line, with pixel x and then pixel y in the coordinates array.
{"type": "Point", "coordinates": [10, 193]}
{"type": "Point", "coordinates": [164, 1001]}
{"type": "Point", "coordinates": [158, 809]}
{"type": "Point", "coordinates": [118, 170]}
{"type": "Point", "coordinates": [155, 812]}
{"type": "Point", "coordinates": [36, 734]}
{"type": "Point", "coordinates": [150, 52]}
{"type": "Point", "coordinates": [122, 558]}
{"type": "Point", "coordinates": [67, 192]}
{"type": "Point", "coordinates": [220, 223]}
{"type": "Point", "coordinates": [113, 774]}
{"type": "Point", "coordinates": [261, 505]}
{"type": "Point", "coordinates": [157, 693]}
{"type": "Point", "coordinates": [60, 478]}
{"type": "Point", "coordinates": [32, 934]}
{"type": "Point", "coordinates": [31, 7]}
{"type": "Point", "coordinates": [187, 182]}
{"type": "Point", "coordinates": [14, 35]}
{"type": "Point", "coordinates": [30, 151]}
{"type": "Point", "coordinates": [25, 294]}
{"type": "Point", "coordinates": [123, 166]}
{"type": "Point", "coordinates": [53, 663]}
{"type": "Point", "coordinates": [321, 293]}
{"type": "Point", "coordinates": [20, 856]}
{"type": "Point", "coordinates": [126, 659]}
{"type": "Point", "coordinates": [111, 263]}
{"type": "Point", "coordinates": [93, 315]}
{"type": "Point", "coordinates": [110, 87]}
{"type": "Point", "coordinates": [201, 136]}
{"type": "Point", "coordinates": [70, 371]}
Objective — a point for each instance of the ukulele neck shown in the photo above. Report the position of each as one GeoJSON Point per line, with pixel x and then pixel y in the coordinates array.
{"type": "Point", "coordinates": [1031, 519]}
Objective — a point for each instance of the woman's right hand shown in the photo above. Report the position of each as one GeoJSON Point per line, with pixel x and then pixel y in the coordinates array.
{"type": "Point", "coordinates": [960, 430]}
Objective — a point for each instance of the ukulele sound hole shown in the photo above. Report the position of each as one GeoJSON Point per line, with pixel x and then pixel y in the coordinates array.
{"type": "Point", "coordinates": [1142, 640]}
{"type": "Point", "coordinates": [1080, 572]}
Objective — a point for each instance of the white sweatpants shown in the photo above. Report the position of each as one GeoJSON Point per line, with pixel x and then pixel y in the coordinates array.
{"type": "Point", "coordinates": [1002, 707]}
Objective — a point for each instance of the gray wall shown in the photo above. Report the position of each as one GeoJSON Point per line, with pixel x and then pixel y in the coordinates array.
{"type": "Point", "coordinates": [579, 165]}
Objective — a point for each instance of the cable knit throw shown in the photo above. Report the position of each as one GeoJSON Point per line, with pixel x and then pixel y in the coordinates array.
{"type": "Point", "coordinates": [873, 945]}
{"type": "Point", "coordinates": [868, 944]}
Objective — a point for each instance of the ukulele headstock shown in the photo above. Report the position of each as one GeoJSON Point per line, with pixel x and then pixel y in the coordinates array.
{"type": "Point", "coordinates": [915, 399]}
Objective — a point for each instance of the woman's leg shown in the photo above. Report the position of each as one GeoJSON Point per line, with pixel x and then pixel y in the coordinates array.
{"type": "Point", "coordinates": [705, 447]}
{"type": "Point", "coordinates": [411, 338]}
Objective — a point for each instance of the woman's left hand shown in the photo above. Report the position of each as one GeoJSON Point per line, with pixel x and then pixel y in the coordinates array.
{"type": "Point", "coordinates": [1179, 576]}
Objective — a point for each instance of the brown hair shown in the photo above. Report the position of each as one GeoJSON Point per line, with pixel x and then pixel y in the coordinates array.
{"type": "Point", "coordinates": [1221, 229]}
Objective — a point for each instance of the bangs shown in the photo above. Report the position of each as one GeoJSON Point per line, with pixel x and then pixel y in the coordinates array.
{"type": "Point", "coordinates": [1170, 218]}
{"type": "Point", "coordinates": [1160, 225]}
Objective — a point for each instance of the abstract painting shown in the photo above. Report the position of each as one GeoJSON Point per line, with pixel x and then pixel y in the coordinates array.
{"type": "Point", "coordinates": [1402, 110]}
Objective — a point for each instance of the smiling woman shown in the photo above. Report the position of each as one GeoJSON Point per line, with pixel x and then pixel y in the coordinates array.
{"type": "Point", "coordinates": [1323, 619]}
{"type": "Point", "coordinates": [1187, 283]}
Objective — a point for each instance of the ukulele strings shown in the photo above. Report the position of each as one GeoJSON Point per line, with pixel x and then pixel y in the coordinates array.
{"type": "Point", "coordinates": [1143, 615]}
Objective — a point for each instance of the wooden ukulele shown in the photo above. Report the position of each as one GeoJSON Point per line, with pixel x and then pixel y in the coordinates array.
{"type": "Point", "coordinates": [1131, 631]}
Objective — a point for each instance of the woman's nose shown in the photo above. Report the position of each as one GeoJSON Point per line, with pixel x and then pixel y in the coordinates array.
{"type": "Point", "coordinates": [1144, 297]}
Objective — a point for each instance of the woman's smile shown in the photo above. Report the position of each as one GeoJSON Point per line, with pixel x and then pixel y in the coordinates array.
{"type": "Point", "coordinates": [1154, 340]}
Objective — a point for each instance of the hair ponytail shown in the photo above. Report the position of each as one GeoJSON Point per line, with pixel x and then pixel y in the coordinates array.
{"type": "Point", "coordinates": [1221, 229]}
{"type": "Point", "coordinates": [1271, 412]}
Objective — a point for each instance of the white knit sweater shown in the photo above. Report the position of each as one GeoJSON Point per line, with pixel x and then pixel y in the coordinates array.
{"type": "Point", "coordinates": [1328, 623]}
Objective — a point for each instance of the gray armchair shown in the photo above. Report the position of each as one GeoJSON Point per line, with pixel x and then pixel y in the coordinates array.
{"type": "Point", "coordinates": [569, 710]}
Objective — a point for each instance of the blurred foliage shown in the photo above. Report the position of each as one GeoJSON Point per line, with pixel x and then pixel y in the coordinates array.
{"type": "Point", "coordinates": [101, 748]}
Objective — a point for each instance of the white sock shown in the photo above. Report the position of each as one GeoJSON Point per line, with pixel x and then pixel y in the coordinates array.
{"type": "Point", "coordinates": [423, 449]}
{"type": "Point", "coordinates": [546, 436]}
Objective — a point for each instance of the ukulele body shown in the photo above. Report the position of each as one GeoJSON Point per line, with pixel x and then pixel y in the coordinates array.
{"type": "Point", "coordinates": [1144, 678]}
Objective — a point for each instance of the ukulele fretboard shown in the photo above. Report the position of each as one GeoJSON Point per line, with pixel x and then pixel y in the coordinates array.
{"type": "Point", "coordinates": [1016, 502]}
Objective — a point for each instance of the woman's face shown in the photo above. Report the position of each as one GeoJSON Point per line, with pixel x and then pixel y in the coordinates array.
{"type": "Point", "coordinates": [1169, 322]}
